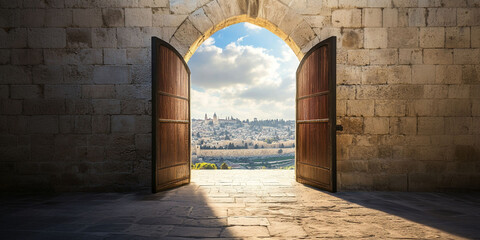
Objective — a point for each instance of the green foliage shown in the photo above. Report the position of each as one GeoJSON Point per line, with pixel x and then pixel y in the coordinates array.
{"type": "Point", "coordinates": [280, 151]}
{"type": "Point", "coordinates": [288, 167]}
{"type": "Point", "coordinates": [224, 166]}
{"type": "Point", "coordinates": [204, 166]}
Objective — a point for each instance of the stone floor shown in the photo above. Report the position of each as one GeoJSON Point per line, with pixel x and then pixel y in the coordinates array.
{"type": "Point", "coordinates": [241, 204]}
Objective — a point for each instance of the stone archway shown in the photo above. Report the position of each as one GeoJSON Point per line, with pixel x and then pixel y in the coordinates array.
{"type": "Point", "coordinates": [214, 15]}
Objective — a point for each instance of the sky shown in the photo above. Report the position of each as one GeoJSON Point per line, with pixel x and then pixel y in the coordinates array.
{"type": "Point", "coordinates": [243, 71]}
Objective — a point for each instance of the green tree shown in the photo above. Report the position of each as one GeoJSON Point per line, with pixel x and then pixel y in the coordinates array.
{"type": "Point", "coordinates": [205, 166]}
{"type": "Point", "coordinates": [280, 151]}
{"type": "Point", "coordinates": [224, 166]}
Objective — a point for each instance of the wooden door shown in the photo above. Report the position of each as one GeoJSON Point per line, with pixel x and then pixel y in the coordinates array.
{"type": "Point", "coordinates": [316, 117]}
{"type": "Point", "coordinates": [170, 117]}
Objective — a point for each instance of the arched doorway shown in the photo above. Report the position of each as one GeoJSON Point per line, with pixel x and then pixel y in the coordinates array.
{"type": "Point", "coordinates": [315, 111]}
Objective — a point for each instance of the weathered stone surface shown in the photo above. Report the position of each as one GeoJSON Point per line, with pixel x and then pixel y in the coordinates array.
{"type": "Point", "coordinates": [357, 108]}
{"type": "Point", "coordinates": [416, 17]}
{"type": "Point", "coordinates": [375, 37]}
{"type": "Point", "coordinates": [403, 37]}
{"type": "Point", "coordinates": [104, 38]}
{"type": "Point", "coordinates": [432, 37]}
{"type": "Point", "coordinates": [87, 17]}
{"type": "Point", "coordinates": [113, 17]}
{"type": "Point", "coordinates": [466, 56]}
{"type": "Point", "coordinates": [79, 38]}
{"type": "Point", "coordinates": [410, 56]}
{"type": "Point", "coordinates": [115, 56]}
{"type": "Point", "coordinates": [347, 18]}
{"type": "Point", "coordinates": [58, 17]}
{"type": "Point", "coordinates": [457, 37]}
{"type": "Point", "coordinates": [138, 17]}
{"type": "Point", "coordinates": [111, 75]}
{"type": "Point", "coordinates": [441, 17]}
{"type": "Point", "coordinates": [438, 56]}
{"type": "Point", "coordinates": [27, 56]}
{"type": "Point", "coordinates": [372, 17]}
{"type": "Point", "coordinates": [46, 38]}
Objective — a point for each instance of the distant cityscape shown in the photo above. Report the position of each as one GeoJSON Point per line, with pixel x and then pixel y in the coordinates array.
{"type": "Point", "coordinates": [243, 144]}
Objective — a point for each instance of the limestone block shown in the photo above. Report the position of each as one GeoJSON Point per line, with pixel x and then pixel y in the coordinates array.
{"type": "Point", "coordinates": [303, 34]}
{"type": "Point", "coordinates": [466, 56]}
{"type": "Point", "coordinates": [475, 37]}
{"type": "Point", "coordinates": [106, 106]}
{"type": "Point", "coordinates": [372, 17]}
{"type": "Point", "coordinates": [111, 75]}
{"type": "Point", "coordinates": [423, 74]}
{"type": "Point", "coordinates": [402, 37]}
{"type": "Point", "coordinates": [360, 108]}
{"type": "Point", "coordinates": [11, 107]}
{"type": "Point", "coordinates": [143, 124]}
{"type": "Point", "coordinates": [182, 48]}
{"type": "Point", "coordinates": [133, 37]}
{"type": "Point", "coordinates": [358, 57]}
{"type": "Point", "coordinates": [374, 75]}
{"type": "Point", "coordinates": [341, 108]}
{"type": "Point", "coordinates": [431, 125]}
{"type": "Point", "coordinates": [352, 3]}
{"type": "Point", "coordinates": [14, 38]}
{"type": "Point", "coordinates": [77, 56]}
{"type": "Point", "coordinates": [66, 124]}
{"type": "Point", "coordinates": [113, 17]}
{"type": "Point", "coordinates": [399, 75]}
{"type": "Point", "coordinates": [416, 17]}
{"type": "Point", "coordinates": [138, 17]}
{"type": "Point", "coordinates": [46, 38]}
{"type": "Point", "coordinates": [214, 12]}
{"type": "Point", "coordinates": [62, 91]}
{"type": "Point", "coordinates": [200, 20]}
{"type": "Point", "coordinates": [83, 124]}
{"type": "Point", "coordinates": [290, 21]}
{"type": "Point", "coordinates": [389, 92]}
{"type": "Point", "coordinates": [101, 124]}
{"type": "Point", "coordinates": [390, 108]}
{"type": "Point", "coordinates": [132, 106]}
{"type": "Point", "coordinates": [27, 56]}
{"type": "Point", "coordinates": [185, 6]}
{"type": "Point", "coordinates": [29, 18]}
{"type": "Point", "coordinates": [15, 75]}
{"type": "Point", "coordinates": [123, 123]}
{"type": "Point", "coordinates": [78, 106]}
{"type": "Point", "coordinates": [442, 17]}
{"type": "Point", "coordinates": [455, 107]}
{"type": "Point", "coordinates": [435, 91]}
{"type": "Point", "coordinates": [5, 56]}
{"type": "Point", "coordinates": [104, 37]}
{"type": "Point", "coordinates": [47, 74]}
{"type": "Point", "coordinates": [432, 37]}
{"type": "Point", "coordinates": [448, 74]}
{"type": "Point", "coordinates": [43, 124]}
{"type": "Point", "coordinates": [410, 56]}
{"type": "Point", "coordinates": [161, 19]}
{"type": "Point", "coordinates": [138, 56]}
{"type": "Point", "coordinates": [457, 37]}
{"type": "Point", "coordinates": [79, 38]}
{"type": "Point", "coordinates": [347, 18]}
{"type": "Point", "coordinates": [468, 16]}
{"type": "Point", "coordinates": [87, 17]}
{"type": "Point", "coordinates": [352, 38]}
{"type": "Point", "coordinates": [307, 7]}
{"type": "Point", "coordinates": [458, 125]}
{"type": "Point", "coordinates": [273, 11]}
{"type": "Point", "coordinates": [317, 21]}
{"type": "Point", "coordinates": [348, 74]}
{"type": "Point", "coordinates": [187, 34]}
{"type": "Point", "coordinates": [4, 92]}
{"type": "Point", "coordinates": [98, 91]}
{"type": "Point", "coordinates": [44, 107]}
{"type": "Point", "coordinates": [25, 91]}
{"type": "Point", "coordinates": [79, 74]}
{"type": "Point", "coordinates": [437, 56]}
{"type": "Point", "coordinates": [458, 91]}
{"type": "Point", "coordinates": [390, 17]}
{"type": "Point", "coordinates": [345, 92]}
{"type": "Point", "coordinates": [136, 91]}
{"type": "Point", "coordinates": [375, 37]}
{"type": "Point", "coordinates": [376, 125]}
{"type": "Point", "coordinates": [470, 74]}
{"type": "Point", "coordinates": [58, 17]}
{"type": "Point", "coordinates": [327, 32]}
{"type": "Point", "coordinates": [383, 56]}
{"type": "Point", "coordinates": [476, 109]}
{"type": "Point", "coordinates": [379, 3]}
{"type": "Point", "coordinates": [141, 74]}
{"type": "Point", "coordinates": [115, 56]}
{"type": "Point", "coordinates": [429, 3]}
{"type": "Point", "coordinates": [405, 3]}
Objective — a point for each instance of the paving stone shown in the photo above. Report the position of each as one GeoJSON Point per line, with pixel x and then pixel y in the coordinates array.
{"type": "Point", "coordinates": [247, 221]}
{"type": "Point", "coordinates": [195, 232]}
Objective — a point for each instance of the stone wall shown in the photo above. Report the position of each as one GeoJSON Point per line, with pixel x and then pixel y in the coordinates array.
{"type": "Point", "coordinates": [75, 86]}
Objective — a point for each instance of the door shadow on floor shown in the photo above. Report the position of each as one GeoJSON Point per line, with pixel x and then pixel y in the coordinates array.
{"type": "Point", "coordinates": [455, 213]}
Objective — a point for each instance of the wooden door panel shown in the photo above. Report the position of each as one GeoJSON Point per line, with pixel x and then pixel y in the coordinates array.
{"type": "Point", "coordinates": [170, 117]}
{"type": "Point", "coordinates": [315, 156]}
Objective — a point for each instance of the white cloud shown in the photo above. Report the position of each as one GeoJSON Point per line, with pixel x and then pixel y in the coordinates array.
{"type": "Point", "coordinates": [250, 26]}
{"type": "Point", "coordinates": [243, 81]}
